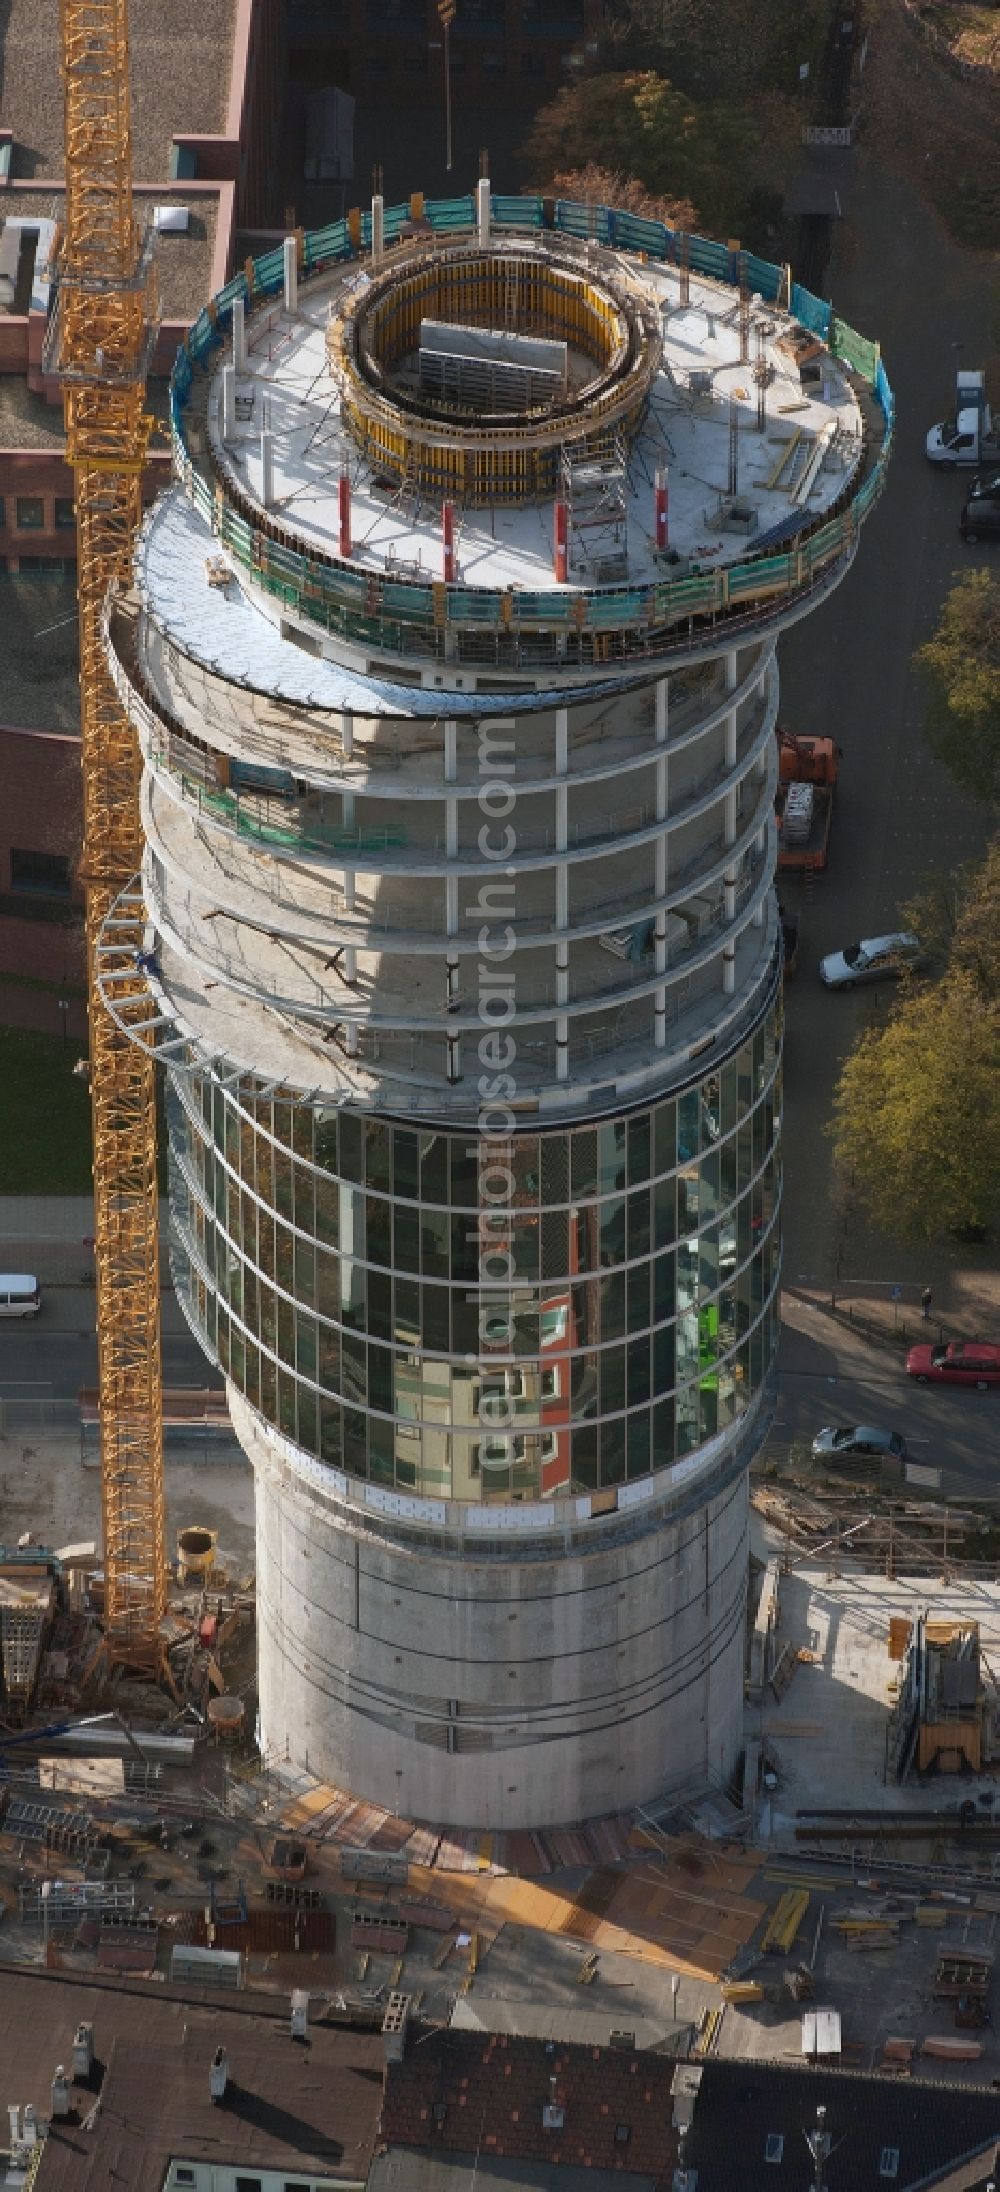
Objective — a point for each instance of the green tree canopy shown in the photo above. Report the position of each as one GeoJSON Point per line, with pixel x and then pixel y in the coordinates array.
{"type": "Point", "coordinates": [961, 665]}
{"type": "Point", "coordinates": [724, 161]}
{"type": "Point", "coordinates": [917, 1113]}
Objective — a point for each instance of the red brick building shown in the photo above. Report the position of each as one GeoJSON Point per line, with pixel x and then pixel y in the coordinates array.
{"type": "Point", "coordinates": [207, 91]}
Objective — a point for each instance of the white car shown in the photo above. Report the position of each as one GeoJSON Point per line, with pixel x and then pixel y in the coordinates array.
{"type": "Point", "coordinates": [871, 960]}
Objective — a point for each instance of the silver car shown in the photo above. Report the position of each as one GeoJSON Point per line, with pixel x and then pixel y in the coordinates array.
{"type": "Point", "coordinates": [844, 1442]}
{"type": "Point", "coordinates": [871, 960]}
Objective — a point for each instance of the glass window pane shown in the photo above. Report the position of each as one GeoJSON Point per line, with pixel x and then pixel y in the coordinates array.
{"type": "Point", "coordinates": [584, 1162]}
{"type": "Point", "coordinates": [406, 1167]}
{"type": "Point", "coordinates": [687, 1126]}
{"type": "Point", "coordinates": [611, 1146]}
{"type": "Point", "coordinates": [433, 1168]}
{"type": "Point", "coordinates": [638, 1149]}
{"type": "Point", "coordinates": [665, 1139]}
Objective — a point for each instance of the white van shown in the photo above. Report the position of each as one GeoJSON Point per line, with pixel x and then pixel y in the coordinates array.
{"type": "Point", "coordinates": [20, 1294]}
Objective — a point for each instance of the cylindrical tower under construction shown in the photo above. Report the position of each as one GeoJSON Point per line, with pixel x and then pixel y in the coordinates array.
{"type": "Point", "coordinates": [451, 652]}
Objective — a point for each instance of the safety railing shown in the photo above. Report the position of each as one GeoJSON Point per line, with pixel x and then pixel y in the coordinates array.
{"type": "Point", "coordinates": [406, 617]}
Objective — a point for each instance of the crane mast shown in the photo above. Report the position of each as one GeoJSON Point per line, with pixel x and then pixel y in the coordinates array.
{"type": "Point", "coordinates": [100, 340]}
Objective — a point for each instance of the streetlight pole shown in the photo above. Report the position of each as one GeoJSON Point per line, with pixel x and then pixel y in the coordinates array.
{"type": "Point", "coordinates": [446, 17]}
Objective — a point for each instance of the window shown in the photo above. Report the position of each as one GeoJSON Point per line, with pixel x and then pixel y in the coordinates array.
{"type": "Point", "coordinates": [65, 513]}
{"type": "Point", "coordinates": [46, 874]}
{"type": "Point", "coordinates": [30, 514]}
{"type": "Point", "coordinates": [290, 2187]}
{"type": "Point", "coordinates": [888, 2161]}
{"type": "Point", "coordinates": [774, 2146]}
{"type": "Point", "coordinates": [184, 2176]}
{"type": "Point", "coordinates": [249, 2184]}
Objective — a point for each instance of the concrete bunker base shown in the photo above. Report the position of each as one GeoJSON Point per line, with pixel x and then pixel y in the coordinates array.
{"type": "Point", "coordinates": [529, 1680]}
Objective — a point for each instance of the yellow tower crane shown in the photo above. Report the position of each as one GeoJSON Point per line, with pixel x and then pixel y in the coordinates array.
{"type": "Point", "coordinates": [100, 341]}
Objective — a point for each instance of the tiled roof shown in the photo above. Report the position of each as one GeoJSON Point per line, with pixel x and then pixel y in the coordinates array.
{"type": "Point", "coordinates": [464, 2090]}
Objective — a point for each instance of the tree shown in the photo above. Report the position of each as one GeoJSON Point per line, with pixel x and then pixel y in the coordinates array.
{"type": "Point", "coordinates": [722, 49]}
{"type": "Point", "coordinates": [917, 1115]}
{"type": "Point", "coordinates": [726, 162]}
{"type": "Point", "coordinates": [594, 185]}
{"type": "Point", "coordinates": [961, 665]}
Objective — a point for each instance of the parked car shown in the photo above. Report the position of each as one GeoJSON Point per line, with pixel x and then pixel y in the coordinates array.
{"type": "Point", "coordinates": [844, 1442]}
{"type": "Point", "coordinates": [871, 960]}
{"type": "Point", "coordinates": [960, 1362]}
{"type": "Point", "coordinates": [980, 519]}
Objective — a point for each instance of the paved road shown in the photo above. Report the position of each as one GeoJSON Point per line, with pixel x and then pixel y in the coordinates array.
{"type": "Point", "coordinates": [846, 671]}
{"type": "Point", "coordinates": [55, 1353]}
{"type": "Point", "coordinates": [826, 1375]}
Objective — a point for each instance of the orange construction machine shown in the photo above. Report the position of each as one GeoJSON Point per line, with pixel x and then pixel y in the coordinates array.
{"type": "Point", "coordinates": [807, 787]}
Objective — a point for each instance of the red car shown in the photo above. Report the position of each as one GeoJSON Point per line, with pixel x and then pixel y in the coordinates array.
{"type": "Point", "coordinates": [962, 1362]}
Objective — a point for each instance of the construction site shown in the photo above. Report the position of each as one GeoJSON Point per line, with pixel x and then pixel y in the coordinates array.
{"type": "Point", "coordinates": [317, 1715]}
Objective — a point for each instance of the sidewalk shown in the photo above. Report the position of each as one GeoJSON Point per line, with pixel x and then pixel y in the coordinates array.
{"type": "Point", "coordinates": [52, 1235]}
{"type": "Point", "coordinates": [965, 1306]}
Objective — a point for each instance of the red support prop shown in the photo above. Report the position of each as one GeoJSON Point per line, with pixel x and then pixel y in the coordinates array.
{"type": "Point", "coordinates": [448, 540]}
{"type": "Point", "coordinates": [562, 542]}
{"type": "Point", "coordinates": [660, 505]}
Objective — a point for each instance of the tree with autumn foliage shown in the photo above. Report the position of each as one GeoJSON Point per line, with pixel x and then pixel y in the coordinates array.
{"type": "Point", "coordinates": [917, 1113]}
{"type": "Point", "coordinates": [723, 163]}
{"type": "Point", "coordinates": [961, 667]}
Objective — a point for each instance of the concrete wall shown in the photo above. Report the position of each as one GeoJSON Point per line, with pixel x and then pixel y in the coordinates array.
{"type": "Point", "coordinates": [41, 811]}
{"type": "Point", "coordinates": [516, 1688]}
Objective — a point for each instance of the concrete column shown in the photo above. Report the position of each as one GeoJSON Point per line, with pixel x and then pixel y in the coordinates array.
{"type": "Point", "coordinates": [729, 970]}
{"type": "Point", "coordinates": [350, 963]}
{"type": "Point", "coordinates": [350, 889]}
{"type": "Point", "coordinates": [562, 1048]}
{"type": "Point", "coordinates": [562, 741]}
{"type": "Point", "coordinates": [451, 805]}
{"type": "Point", "coordinates": [228, 403]}
{"type": "Point", "coordinates": [562, 817]}
{"type": "Point", "coordinates": [239, 335]}
{"type": "Point", "coordinates": [347, 732]}
{"type": "Point", "coordinates": [267, 469]}
{"type": "Point", "coordinates": [348, 798]}
{"type": "Point", "coordinates": [290, 251]}
{"type": "Point", "coordinates": [378, 229]}
{"type": "Point", "coordinates": [483, 211]}
{"type": "Point", "coordinates": [732, 680]}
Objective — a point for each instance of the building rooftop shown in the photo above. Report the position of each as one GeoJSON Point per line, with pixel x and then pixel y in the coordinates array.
{"type": "Point", "coordinates": [181, 59]}
{"type": "Point", "coordinates": [460, 2090]}
{"type": "Point", "coordinates": [184, 258]}
{"type": "Point", "coordinates": [287, 2107]}
{"type": "Point", "coordinates": [456, 2092]}
{"type": "Point", "coordinates": [698, 396]}
{"type": "Point", "coordinates": [26, 420]}
{"type": "Point", "coordinates": [401, 2170]}
{"type": "Point", "coordinates": [883, 2132]}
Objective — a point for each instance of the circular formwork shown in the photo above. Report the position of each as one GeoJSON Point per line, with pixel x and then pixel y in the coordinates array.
{"type": "Point", "coordinates": [442, 449]}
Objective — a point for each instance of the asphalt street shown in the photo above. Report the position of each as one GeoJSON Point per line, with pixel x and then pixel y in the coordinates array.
{"type": "Point", "coordinates": [52, 1355]}
{"type": "Point", "coordinates": [847, 671]}
{"type": "Point", "coordinates": [827, 1375]}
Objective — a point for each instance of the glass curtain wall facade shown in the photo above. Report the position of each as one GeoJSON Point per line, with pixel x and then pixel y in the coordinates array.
{"type": "Point", "coordinates": [333, 1262]}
